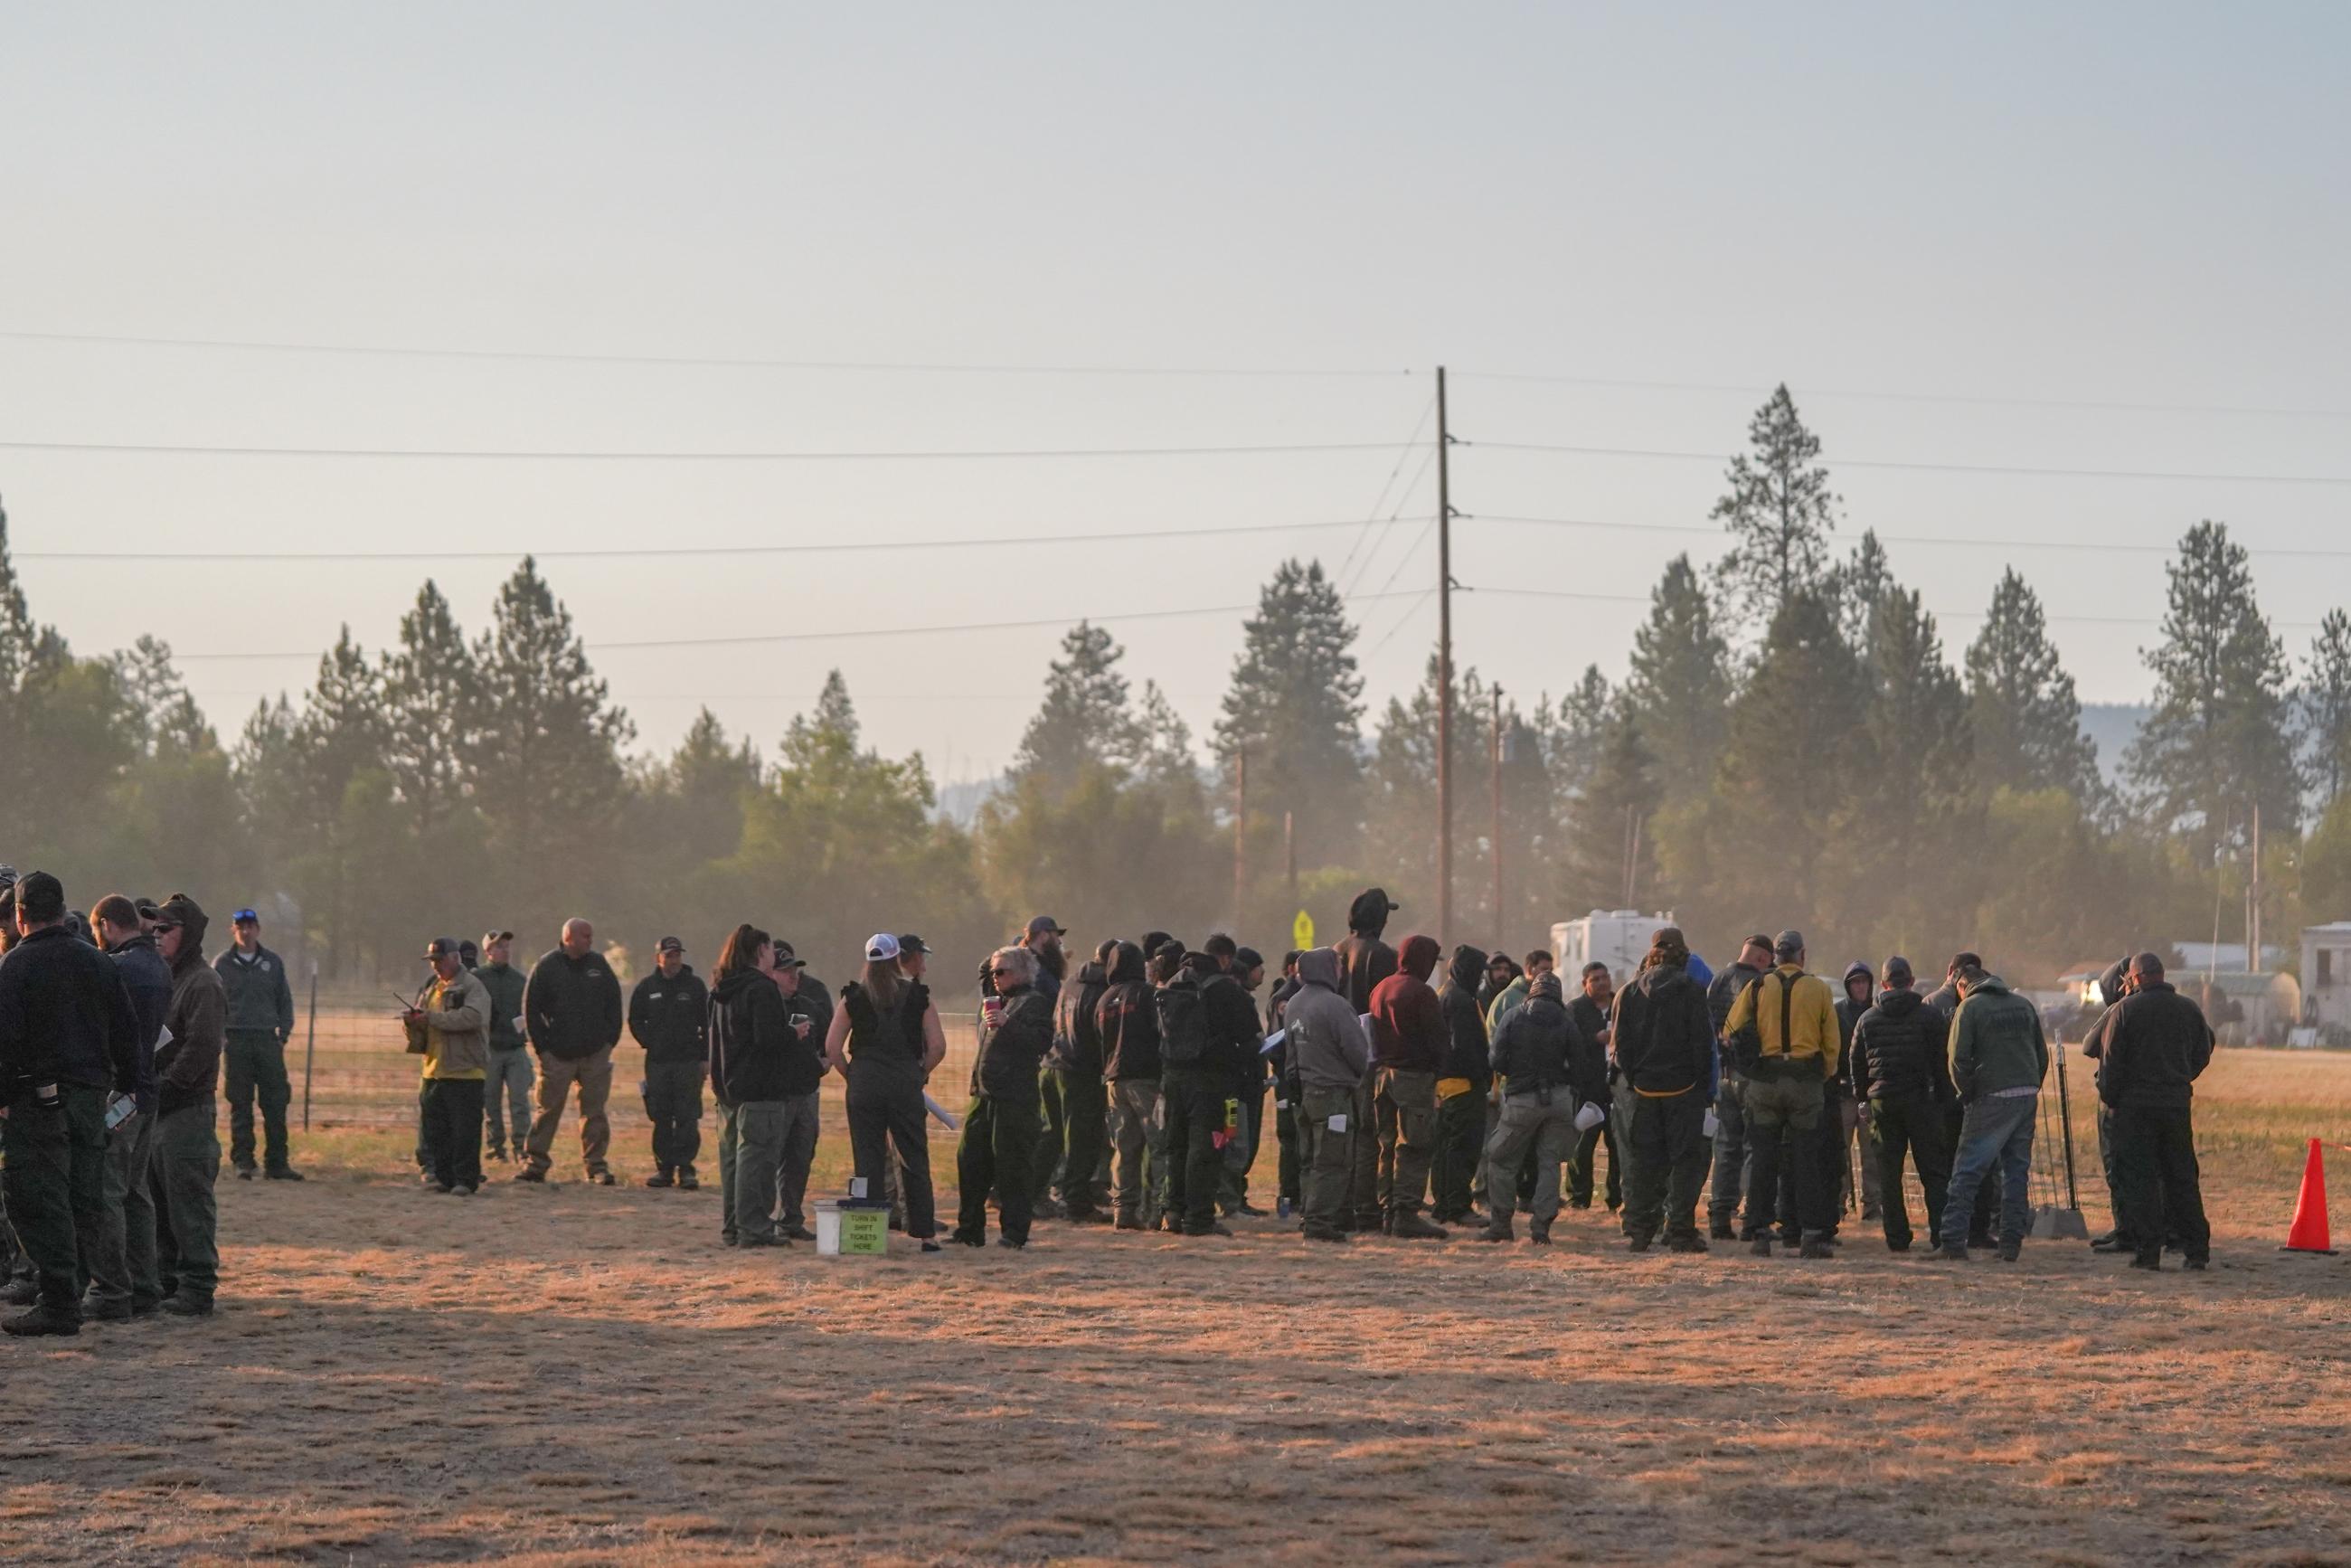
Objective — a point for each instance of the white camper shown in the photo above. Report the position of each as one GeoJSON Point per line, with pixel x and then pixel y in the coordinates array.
{"type": "Point", "coordinates": [1616, 937]}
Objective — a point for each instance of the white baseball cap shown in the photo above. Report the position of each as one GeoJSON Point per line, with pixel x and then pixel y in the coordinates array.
{"type": "Point", "coordinates": [880, 946]}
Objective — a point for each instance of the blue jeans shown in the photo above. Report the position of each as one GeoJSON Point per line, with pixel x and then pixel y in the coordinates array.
{"type": "Point", "coordinates": [1992, 1129]}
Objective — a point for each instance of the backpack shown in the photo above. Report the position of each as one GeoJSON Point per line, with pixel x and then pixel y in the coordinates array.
{"type": "Point", "coordinates": [1183, 1009]}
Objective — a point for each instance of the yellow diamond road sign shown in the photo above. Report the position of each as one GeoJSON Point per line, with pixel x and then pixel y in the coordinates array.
{"type": "Point", "coordinates": [1301, 931]}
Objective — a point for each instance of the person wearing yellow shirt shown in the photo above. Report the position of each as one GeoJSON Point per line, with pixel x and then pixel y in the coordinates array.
{"type": "Point", "coordinates": [1784, 1028]}
{"type": "Point", "coordinates": [450, 1026]}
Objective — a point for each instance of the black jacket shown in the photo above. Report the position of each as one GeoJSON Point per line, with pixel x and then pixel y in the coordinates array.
{"type": "Point", "coordinates": [1591, 1018]}
{"type": "Point", "coordinates": [1366, 960]}
{"type": "Point", "coordinates": [670, 1016]}
{"type": "Point", "coordinates": [1234, 1033]}
{"type": "Point", "coordinates": [1077, 1028]}
{"type": "Point", "coordinates": [1006, 1067]}
{"type": "Point", "coordinates": [572, 1006]}
{"type": "Point", "coordinates": [64, 1017]}
{"type": "Point", "coordinates": [2155, 1044]}
{"type": "Point", "coordinates": [756, 1054]}
{"type": "Point", "coordinates": [1465, 1025]}
{"type": "Point", "coordinates": [1901, 1049]}
{"type": "Point", "coordinates": [1126, 1020]}
{"type": "Point", "coordinates": [1540, 1047]}
{"type": "Point", "coordinates": [147, 979]}
{"type": "Point", "coordinates": [1663, 1033]}
{"type": "Point", "coordinates": [1723, 994]}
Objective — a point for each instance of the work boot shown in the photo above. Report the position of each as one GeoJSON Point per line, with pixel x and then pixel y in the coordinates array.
{"type": "Point", "coordinates": [1318, 1234]}
{"type": "Point", "coordinates": [1248, 1210]}
{"type": "Point", "coordinates": [1088, 1217]}
{"type": "Point", "coordinates": [1949, 1252]}
{"type": "Point", "coordinates": [2152, 1265]}
{"type": "Point", "coordinates": [2113, 1241]}
{"type": "Point", "coordinates": [1498, 1230]}
{"type": "Point", "coordinates": [660, 1178]}
{"type": "Point", "coordinates": [1008, 1241]}
{"type": "Point", "coordinates": [1387, 1225]}
{"type": "Point", "coordinates": [1046, 1209]}
{"type": "Point", "coordinates": [1538, 1232]}
{"type": "Point", "coordinates": [1412, 1228]}
{"type": "Point", "coordinates": [188, 1305]}
{"type": "Point", "coordinates": [1639, 1243]}
{"type": "Point", "coordinates": [146, 1306]}
{"type": "Point", "coordinates": [1761, 1244]}
{"type": "Point", "coordinates": [530, 1173]}
{"type": "Point", "coordinates": [2009, 1251]}
{"type": "Point", "coordinates": [1215, 1227]}
{"type": "Point", "coordinates": [686, 1180]}
{"type": "Point", "coordinates": [1720, 1230]}
{"type": "Point", "coordinates": [245, 1170]}
{"type": "Point", "coordinates": [496, 1152]}
{"type": "Point", "coordinates": [110, 1312]}
{"type": "Point", "coordinates": [43, 1319]}
{"type": "Point", "coordinates": [1816, 1247]}
{"type": "Point", "coordinates": [1125, 1220]}
{"type": "Point", "coordinates": [281, 1172]}
{"type": "Point", "coordinates": [599, 1179]}
{"type": "Point", "coordinates": [21, 1293]}
{"type": "Point", "coordinates": [799, 1233]}
{"type": "Point", "coordinates": [1687, 1244]}
{"type": "Point", "coordinates": [2195, 1265]}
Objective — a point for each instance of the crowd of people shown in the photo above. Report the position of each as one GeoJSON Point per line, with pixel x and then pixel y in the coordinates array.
{"type": "Point", "coordinates": [1132, 1094]}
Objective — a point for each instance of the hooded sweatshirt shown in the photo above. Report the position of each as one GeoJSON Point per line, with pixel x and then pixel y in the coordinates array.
{"type": "Point", "coordinates": [755, 1055]}
{"type": "Point", "coordinates": [1848, 1013]}
{"type": "Point", "coordinates": [1365, 959]}
{"type": "Point", "coordinates": [190, 1065]}
{"type": "Point", "coordinates": [148, 980]}
{"type": "Point", "coordinates": [1996, 1042]}
{"type": "Point", "coordinates": [1662, 1035]}
{"type": "Point", "coordinates": [1126, 1020]}
{"type": "Point", "coordinates": [1010, 1048]}
{"type": "Point", "coordinates": [1465, 1027]}
{"type": "Point", "coordinates": [1407, 1021]}
{"type": "Point", "coordinates": [1326, 1046]}
{"type": "Point", "coordinates": [1077, 1025]}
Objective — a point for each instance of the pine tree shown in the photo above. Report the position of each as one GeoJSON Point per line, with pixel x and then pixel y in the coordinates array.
{"type": "Point", "coordinates": [1163, 742]}
{"type": "Point", "coordinates": [1295, 708]}
{"type": "Point", "coordinates": [433, 711]}
{"type": "Point", "coordinates": [2218, 741]}
{"type": "Point", "coordinates": [1085, 719]}
{"type": "Point", "coordinates": [1679, 684]}
{"type": "Point", "coordinates": [548, 765]}
{"type": "Point", "coordinates": [2025, 720]}
{"type": "Point", "coordinates": [1859, 586]}
{"type": "Point", "coordinates": [2326, 707]}
{"type": "Point", "coordinates": [1780, 797]}
{"type": "Point", "coordinates": [1610, 859]}
{"type": "Point", "coordinates": [1909, 763]}
{"type": "Point", "coordinates": [1778, 511]}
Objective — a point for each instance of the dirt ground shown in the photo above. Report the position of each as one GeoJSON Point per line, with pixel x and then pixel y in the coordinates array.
{"type": "Point", "coordinates": [571, 1374]}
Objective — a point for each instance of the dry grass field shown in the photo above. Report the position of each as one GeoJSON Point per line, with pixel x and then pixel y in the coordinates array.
{"type": "Point", "coordinates": [571, 1374]}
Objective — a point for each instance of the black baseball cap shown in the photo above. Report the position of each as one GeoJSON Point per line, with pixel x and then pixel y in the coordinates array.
{"type": "Point", "coordinates": [442, 947]}
{"type": "Point", "coordinates": [910, 942]}
{"type": "Point", "coordinates": [1248, 958]}
{"type": "Point", "coordinates": [784, 957]}
{"type": "Point", "coordinates": [1044, 923]}
{"type": "Point", "coordinates": [41, 897]}
{"type": "Point", "coordinates": [669, 944]}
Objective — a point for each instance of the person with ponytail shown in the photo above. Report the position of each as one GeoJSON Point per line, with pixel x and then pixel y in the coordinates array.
{"type": "Point", "coordinates": [884, 1041]}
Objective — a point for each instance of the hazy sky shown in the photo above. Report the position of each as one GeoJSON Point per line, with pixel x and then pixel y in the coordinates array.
{"type": "Point", "coordinates": [2009, 208]}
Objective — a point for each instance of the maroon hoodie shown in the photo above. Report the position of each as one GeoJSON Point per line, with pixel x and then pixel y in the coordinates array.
{"type": "Point", "coordinates": [1407, 1021]}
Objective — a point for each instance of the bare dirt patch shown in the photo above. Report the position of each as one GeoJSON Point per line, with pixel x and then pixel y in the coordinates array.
{"type": "Point", "coordinates": [571, 1374]}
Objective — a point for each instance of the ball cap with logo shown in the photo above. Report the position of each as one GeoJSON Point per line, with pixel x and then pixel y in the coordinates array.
{"type": "Point", "coordinates": [669, 944]}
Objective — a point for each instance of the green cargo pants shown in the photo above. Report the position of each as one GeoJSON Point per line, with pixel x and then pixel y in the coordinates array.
{"type": "Point", "coordinates": [180, 1169]}
{"type": "Point", "coordinates": [254, 1061]}
{"type": "Point", "coordinates": [54, 1174]}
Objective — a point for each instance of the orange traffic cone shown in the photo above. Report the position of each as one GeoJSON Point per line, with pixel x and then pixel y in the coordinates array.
{"type": "Point", "coordinates": [2308, 1232]}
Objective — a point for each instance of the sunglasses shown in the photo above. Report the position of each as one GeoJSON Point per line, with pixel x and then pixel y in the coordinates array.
{"type": "Point", "coordinates": [1001, 973]}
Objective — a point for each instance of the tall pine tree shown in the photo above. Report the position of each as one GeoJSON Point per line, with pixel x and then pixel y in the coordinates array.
{"type": "Point", "coordinates": [433, 711]}
{"type": "Point", "coordinates": [1085, 720]}
{"type": "Point", "coordinates": [2025, 719]}
{"type": "Point", "coordinates": [2326, 707]}
{"type": "Point", "coordinates": [1295, 708]}
{"type": "Point", "coordinates": [1779, 510]}
{"type": "Point", "coordinates": [1680, 683]}
{"type": "Point", "coordinates": [2218, 742]}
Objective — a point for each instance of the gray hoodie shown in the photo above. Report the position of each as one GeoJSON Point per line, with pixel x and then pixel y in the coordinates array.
{"type": "Point", "coordinates": [1326, 1043]}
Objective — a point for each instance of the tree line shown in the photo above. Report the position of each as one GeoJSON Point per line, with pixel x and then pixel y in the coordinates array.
{"type": "Point", "coordinates": [1790, 743]}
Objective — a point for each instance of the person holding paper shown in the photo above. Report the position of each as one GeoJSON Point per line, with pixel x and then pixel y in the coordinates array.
{"type": "Point", "coordinates": [1328, 1057]}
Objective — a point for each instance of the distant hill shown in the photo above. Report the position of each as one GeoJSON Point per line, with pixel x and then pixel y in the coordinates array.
{"type": "Point", "coordinates": [2113, 725]}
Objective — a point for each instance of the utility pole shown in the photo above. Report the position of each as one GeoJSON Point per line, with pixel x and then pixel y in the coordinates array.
{"type": "Point", "coordinates": [1494, 777]}
{"type": "Point", "coordinates": [1290, 853]}
{"type": "Point", "coordinates": [1444, 668]}
{"type": "Point", "coordinates": [2253, 900]}
{"type": "Point", "coordinates": [1240, 830]}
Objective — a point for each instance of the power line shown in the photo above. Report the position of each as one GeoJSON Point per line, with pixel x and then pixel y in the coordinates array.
{"type": "Point", "coordinates": [1380, 535]}
{"type": "Point", "coordinates": [2135, 547]}
{"type": "Point", "coordinates": [2014, 469]}
{"type": "Point", "coordinates": [1938, 614]}
{"type": "Point", "coordinates": [721, 361]}
{"type": "Point", "coordinates": [755, 638]}
{"type": "Point", "coordinates": [1382, 499]}
{"type": "Point", "coordinates": [1750, 390]}
{"type": "Point", "coordinates": [428, 555]}
{"type": "Point", "coordinates": [164, 449]}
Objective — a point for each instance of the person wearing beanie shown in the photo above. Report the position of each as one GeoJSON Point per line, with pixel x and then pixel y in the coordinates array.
{"type": "Point", "coordinates": [69, 1042]}
{"type": "Point", "coordinates": [1999, 1056]}
{"type": "Point", "coordinates": [1729, 1150]}
{"type": "Point", "coordinates": [1901, 1072]}
{"type": "Point", "coordinates": [185, 1161]}
{"type": "Point", "coordinates": [1785, 1028]}
{"type": "Point", "coordinates": [1364, 957]}
{"type": "Point", "coordinates": [1460, 1090]}
{"type": "Point", "coordinates": [1550, 1072]}
{"type": "Point", "coordinates": [1661, 1037]}
{"type": "Point", "coordinates": [1408, 1045]}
